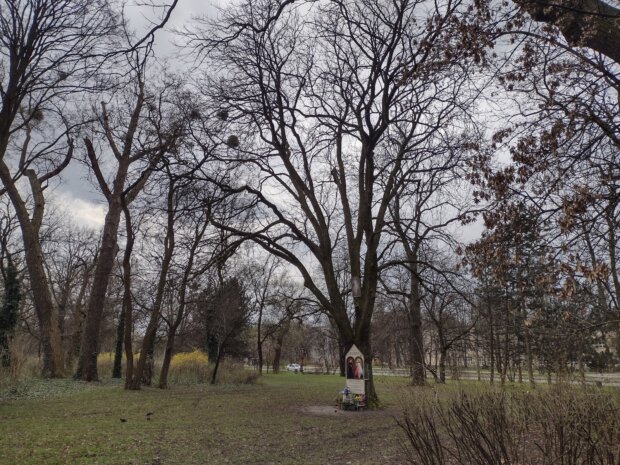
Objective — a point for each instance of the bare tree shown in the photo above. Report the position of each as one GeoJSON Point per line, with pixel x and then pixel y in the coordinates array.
{"type": "Point", "coordinates": [69, 255]}
{"type": "Point", "coordinates": [49, 53]}
{"type": "Point", "coordinates": [173, 184]}
{"type": "Point", "coordinates": [452, 316]}
{"type": "Point", "coordinates": [194, 243]}
{"type": "Point", "coordinates": [260, 279]}
{"type": "Point", "coordinates": [328, 109]}
{"type": "Point", "coordinates": [422, 214]}
{"type": "Point", "coordinates": [139, 131]}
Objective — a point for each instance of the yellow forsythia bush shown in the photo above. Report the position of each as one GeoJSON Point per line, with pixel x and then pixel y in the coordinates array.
{"type": "Point", "coordinates": [189, 367]}
{"type": "Point", "coordinates": [105, 362]}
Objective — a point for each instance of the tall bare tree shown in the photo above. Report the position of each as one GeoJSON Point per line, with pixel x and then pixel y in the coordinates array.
{"type": "Point", "coordinates": [139, 130]}
{"type": "Point", "coordinates": [328, 108]}
{"type": "Point", "coordinates": [193, 244]}
{"type": "Point", "coordinates": [49, 52]}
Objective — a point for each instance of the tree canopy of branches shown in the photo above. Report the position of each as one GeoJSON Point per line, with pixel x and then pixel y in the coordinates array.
{"type": "Point", "coordinates": [334, 104]}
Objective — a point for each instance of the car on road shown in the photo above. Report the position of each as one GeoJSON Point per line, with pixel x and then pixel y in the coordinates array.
{"type": "Point", "coordinates": [294, 367]}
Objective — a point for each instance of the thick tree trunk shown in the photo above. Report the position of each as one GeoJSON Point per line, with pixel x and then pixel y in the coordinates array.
{"type": "Point", "coordinates": [51, 341]}
{"type": "Point", "coordinates": [277, 353]}
{"type": "Point", "coordinates": [87, 363]}
{"type": "Point", "coordinates": [372, 399]}
{"type": "Point", "coordinates": [362, 341]}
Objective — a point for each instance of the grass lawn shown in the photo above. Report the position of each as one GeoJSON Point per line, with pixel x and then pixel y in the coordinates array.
{"type": "Point", "coordinates": [65, 422]}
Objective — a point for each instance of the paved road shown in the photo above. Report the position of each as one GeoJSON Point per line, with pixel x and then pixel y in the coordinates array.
{"type": "Point", "coordinates": [606, 379]}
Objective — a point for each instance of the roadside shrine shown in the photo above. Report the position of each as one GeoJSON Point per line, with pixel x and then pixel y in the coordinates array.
{"type": "Point", "coordinates": [354, 394]}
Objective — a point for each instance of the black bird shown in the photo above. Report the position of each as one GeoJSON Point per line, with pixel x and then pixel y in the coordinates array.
{"type": "Point", "coordinates": [123, 420]}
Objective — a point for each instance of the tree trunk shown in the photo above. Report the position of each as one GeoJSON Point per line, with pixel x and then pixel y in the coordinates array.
{"type": "Point", "coordinates": [491, 344]}
{"type": "Point", "coordinates": [118, 201]}
{"type": "Point", "coordinates": [148, 344]}
{"type": "Point", "coordinates": [51, 341]}
{"type": "Point", "coordinates": [79, 315]}
{"type": "Point", "coordinates": [442, 366]}
{"type": "Point", "coordinates": [506, 354]}
{"type": "Point", "coordinates": [127, 302]}
{"type": "Point", "coordinates": [216, 366]}
{"type": "Point", "coordinates": [259, 341]}
{"type": "Point", "coordinates": [416, 339]}
{"type": "Point", "coordinates": [478, 371]}
{"type": "Point", "coordinates": [163, 376]}
{"type": "Point", "coordinates": [117, 370]}
{"type": "Point", "coordinates": [87, 363]}
{"type": "Point", "coordinates": [149, 366]}
{"type": "Point", "coordinates": [277, 353]}
{"type": "Point", "coordinates": [50, 336]}
{"type": "Point", "coordinates": [362, 341]}
{"type": "Point", "coordinates": [528, 358]}
{"type": "Point", "coordinates": [341, 354]}
{"type": "Point", "coordinates": [505, 358]}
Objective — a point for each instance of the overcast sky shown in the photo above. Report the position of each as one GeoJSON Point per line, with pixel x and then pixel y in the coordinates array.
{"type": "Point", "coordinates": [75, 195]}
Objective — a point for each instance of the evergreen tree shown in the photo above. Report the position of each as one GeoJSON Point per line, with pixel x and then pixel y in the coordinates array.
{"type": "Point", "coordinates": [8, 311]}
